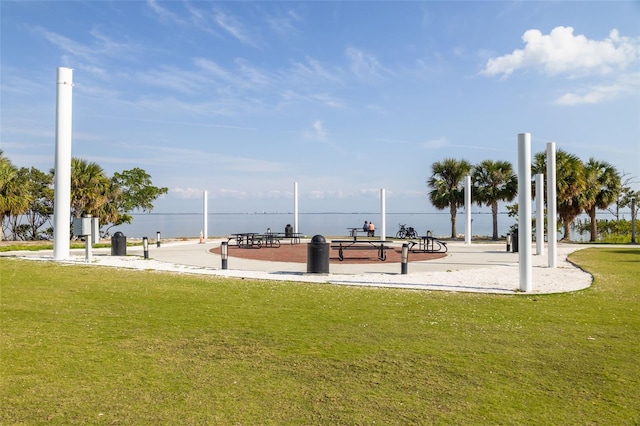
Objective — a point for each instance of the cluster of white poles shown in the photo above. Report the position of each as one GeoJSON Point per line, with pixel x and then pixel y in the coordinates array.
{"type": "Point", "coordinates": [62, 192]}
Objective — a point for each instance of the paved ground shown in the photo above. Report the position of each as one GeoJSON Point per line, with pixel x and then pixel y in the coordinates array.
{"type": "Point", "coordinates": [477, 267]}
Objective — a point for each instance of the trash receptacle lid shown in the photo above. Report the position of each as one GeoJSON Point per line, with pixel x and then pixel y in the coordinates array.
{"type": "Point", "coordinates": [318, 239]}
{"type": "Point", "coordinates": [118, 234]}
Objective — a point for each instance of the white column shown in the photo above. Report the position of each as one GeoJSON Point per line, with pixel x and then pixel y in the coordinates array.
{"type": "Point", "coordinates": [295, 207]}
{"type": "Point", "coordinates": [383, 215]}
{"type": "Point", "coordinates": [552, 205]}
{"type": "Point", "coordinates": [467, 209]}
{"type": "Point", "coordinates": [539, 213]}
{"type": "Point", "coordinates": [524, 210]}
{"type": "Point", "coordinates": [205, 216]}
{"type": "Point", "coordinates": [62, 183]}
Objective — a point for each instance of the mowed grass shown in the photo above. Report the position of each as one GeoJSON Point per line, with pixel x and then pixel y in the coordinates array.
{"type": "Point", "coordinates": [92, 345]}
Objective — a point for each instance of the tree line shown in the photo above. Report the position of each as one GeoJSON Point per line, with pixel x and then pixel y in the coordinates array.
{"type": "Point", "coordinates": [27, 195]}
{"type": "Point", "coordinates": [580, 187]}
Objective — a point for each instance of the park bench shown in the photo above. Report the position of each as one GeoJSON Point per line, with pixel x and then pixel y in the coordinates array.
{"type": "Point", "coordinates": [342, 245]}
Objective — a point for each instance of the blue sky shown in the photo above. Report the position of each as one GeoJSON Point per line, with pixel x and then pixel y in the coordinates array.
{"type": "Point", "coordinates": [243, 99]}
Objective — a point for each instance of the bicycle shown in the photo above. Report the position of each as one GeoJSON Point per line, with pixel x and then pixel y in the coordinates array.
{"type": "Point", "coordinates": [406, 232]}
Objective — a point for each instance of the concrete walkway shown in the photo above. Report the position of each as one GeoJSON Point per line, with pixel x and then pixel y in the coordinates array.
{"type": "Point", "coordinates": [477, 267]}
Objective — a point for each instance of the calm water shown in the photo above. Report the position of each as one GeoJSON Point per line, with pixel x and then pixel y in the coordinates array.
{"type": "Point", "coordinates": [334, 224]}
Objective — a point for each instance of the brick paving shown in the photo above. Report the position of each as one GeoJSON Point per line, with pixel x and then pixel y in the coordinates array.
{"type": "Point", "coordinates": [297, 253]}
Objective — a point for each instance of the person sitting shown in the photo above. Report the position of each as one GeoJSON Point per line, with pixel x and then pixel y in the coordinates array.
{"type": "Point", "coordinates": [372, 230]}
{"type": "Point", "coordinates": [365, 227]}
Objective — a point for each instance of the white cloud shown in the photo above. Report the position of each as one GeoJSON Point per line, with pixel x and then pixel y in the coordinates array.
{"type": "Point", "coordinates": [186, 193]}
{"type": "Point", "coordinates": [435, 143]}
{"type": "Point", "coordinates": [316, 132]}
{"type": "Point", "coordinates": [604, 92]}
{"type": "Point", "coordinates": [563, 52]}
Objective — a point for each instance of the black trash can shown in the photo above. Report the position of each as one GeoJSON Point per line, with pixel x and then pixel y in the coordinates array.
{"type": "Point", "coordinates": [514, 240]}
{"type": "Point", "coordinates": [318, 255]}
{"type": "Point", "coordinates": [118, 244]}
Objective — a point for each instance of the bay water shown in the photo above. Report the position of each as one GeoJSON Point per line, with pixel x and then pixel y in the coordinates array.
{"type": "Point", "coordinates": [189, 225]}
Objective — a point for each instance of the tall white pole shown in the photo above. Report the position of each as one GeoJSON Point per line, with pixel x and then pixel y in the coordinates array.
{"type": "Point", "coordinates": [383, 215]}
{"type": "Point", "coordinates": [295, 207]}
{"type": "Point", "coordinates": [524, 210]}
{"type": "Point", "coordinates": [552, 204]}
{"type": "Point", "coordinates": [62, 183]}
{"type": "Point", "coordinates": [205, 216]}
{"type": "Point", "coordinates": [539, 213]}
{"type": "Point", "coordinates": [467, 209]}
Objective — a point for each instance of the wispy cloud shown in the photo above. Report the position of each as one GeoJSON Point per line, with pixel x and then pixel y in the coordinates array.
{"type": "Point", "coordinates": [101, 46]}
{"type": "Point", "coordinates": [626, 84]}
{"type": "Point", "coordinates": [364, 65]}
{"type": "Point", "coordinates": [436, 143]}
{"type": "Point", "coordinates": [234, 27]}
{"type": "Point", "coordinates": [313, 71]}
{"type": "Point", "coordinates": [164, 14]}
{"type": "Point", "coordinates": [171, 77]}
{"type": "Point", "coordinates": [284, 23]}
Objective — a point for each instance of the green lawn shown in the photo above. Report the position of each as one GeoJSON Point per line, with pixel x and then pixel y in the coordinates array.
{"type": "Point", "coordinates": [89, 345]}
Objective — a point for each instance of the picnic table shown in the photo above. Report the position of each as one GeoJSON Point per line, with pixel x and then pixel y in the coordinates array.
{"type": "Point", "coordinates": [429, 244]}
{"type": "Point", "coordinates": [246, 239]}
{"type": "Point", "coordinates": [342, 245]}
{"type": "Point", "coordinates": [259, 240]}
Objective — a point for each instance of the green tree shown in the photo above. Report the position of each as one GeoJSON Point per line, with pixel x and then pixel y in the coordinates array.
{"type": "Point", "coordinates": [445, 182]}
{"type": "Point", "coordinates": [570, 186]}
{"type": "Point", "coordinates": [494, 181]}
{"type": "Point", "coordinates": [135, 192]}
{"type": "Point", "coordinates": [603, 185]}
{"type": "Point", "coordinates": [40, 187]}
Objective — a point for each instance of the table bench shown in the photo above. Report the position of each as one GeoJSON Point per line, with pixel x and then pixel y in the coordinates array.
{"type": "Point", "coordinates": [428, 244]}
{"type": "Point", "coordinates": [353, 232]}
{"type": "Point", "coordinates": [342, 245]}
{"type": "Point", "coordinates": [293, 237]}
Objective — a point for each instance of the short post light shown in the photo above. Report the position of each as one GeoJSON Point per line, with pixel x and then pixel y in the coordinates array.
{"type": "Point", "coordinates": [158, 239]}
{"type": "Point", "coordinates": [508, 243]}
{"type": "Point", "coordinates": [404, 259]}
{"type": "Point", "coordinates": [633, 220]}
{"type": "Point", "coordinates": [224, 253]}
{"type": "Point", "coordinates": [145, 247]}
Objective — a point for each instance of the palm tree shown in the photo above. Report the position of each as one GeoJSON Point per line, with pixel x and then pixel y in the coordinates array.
{"type": "Point", "coordinates": [570, 186]}
{"type": "Point", "coordinates": [445, 180]}
{"type": "Point", "coordinates": [7, 174]}
{"type": "Point", "coordinates": [603, 187]}
{"type": "Point", "coordinates": [14, 195]}
{"type": "Point", "coordinates": [494, 181]}
{"type": "Point", "coordinates": [90, 188]}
